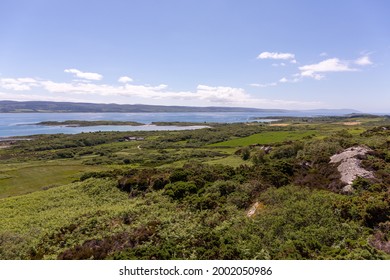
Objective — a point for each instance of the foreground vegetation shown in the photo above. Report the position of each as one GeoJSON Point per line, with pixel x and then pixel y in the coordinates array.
{"type": "Point", "coordinates": [231, 191]}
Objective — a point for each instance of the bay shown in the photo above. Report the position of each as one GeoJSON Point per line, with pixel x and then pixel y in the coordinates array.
{"type": "Point", "coordinates": [24, 124]}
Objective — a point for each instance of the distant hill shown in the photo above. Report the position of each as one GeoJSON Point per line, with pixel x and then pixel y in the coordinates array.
{"type": "Point", "coordinates": [70, 107]}
{"type": "Point", "coordinates": [333, 111]}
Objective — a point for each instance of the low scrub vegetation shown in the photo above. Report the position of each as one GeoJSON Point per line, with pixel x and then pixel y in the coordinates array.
{"type": "Point", "coordinates": [270, 193]}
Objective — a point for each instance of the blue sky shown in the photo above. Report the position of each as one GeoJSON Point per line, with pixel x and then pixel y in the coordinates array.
{"type": "Point", "coordinates": [266, 54]}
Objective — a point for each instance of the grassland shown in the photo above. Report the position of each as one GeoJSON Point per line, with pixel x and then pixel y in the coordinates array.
{"type": "Point", "coordinates": [17, 179]}
{"type": "Point", "coordinates": [186, 194]}
{"type": "Point", "coordinates": [267, 137]}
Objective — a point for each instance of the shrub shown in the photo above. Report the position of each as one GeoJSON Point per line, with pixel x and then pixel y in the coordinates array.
{"type": "Point", "coordinates": [179, 190]}
{"type": "Point", "coordinates": [178, 175]}
{"type": "Point", "coordinates": [245, 153]}
{"type": "Point", "coordinates": [318, 151]}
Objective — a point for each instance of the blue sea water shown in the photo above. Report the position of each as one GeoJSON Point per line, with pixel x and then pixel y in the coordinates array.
{"type": "Point", "coordinates": [23, 124]}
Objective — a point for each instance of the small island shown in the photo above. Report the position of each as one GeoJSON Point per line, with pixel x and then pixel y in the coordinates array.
{"type": "Point", "coordinates": [77, 123]}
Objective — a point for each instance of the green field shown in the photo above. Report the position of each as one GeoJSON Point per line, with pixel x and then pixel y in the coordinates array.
{"type": "Point", "coordinates": [233, 161]}
{"type": "Point", "coordinates": [266, 138]}
{"type": "Point", "coordinates": [17, 179]}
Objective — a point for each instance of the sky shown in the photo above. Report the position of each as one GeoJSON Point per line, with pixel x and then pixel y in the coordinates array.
{"type": "Point", "coordinates": [286, 54]}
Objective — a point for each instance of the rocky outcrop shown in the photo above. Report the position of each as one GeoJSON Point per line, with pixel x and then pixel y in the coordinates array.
{"type": "Point", "coordinates": [349, 166]}
{"type": "Point", "coordinates": [254, 209]}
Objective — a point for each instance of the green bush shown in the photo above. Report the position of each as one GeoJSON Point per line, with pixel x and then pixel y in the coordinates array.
{"type": "Point", "coordinates": [179, 190]}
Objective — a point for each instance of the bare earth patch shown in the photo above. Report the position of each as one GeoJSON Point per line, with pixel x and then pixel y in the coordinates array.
{"type": "Point", "coordinates": [349, 166]}
{"type": "Point", "coordinates": [351, 123]}
{"type": "Point", "coordinates": [279, 124]}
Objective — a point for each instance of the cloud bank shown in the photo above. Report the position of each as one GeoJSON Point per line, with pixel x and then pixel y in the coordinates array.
{"type": "Point", "coordinates": [86, 90]}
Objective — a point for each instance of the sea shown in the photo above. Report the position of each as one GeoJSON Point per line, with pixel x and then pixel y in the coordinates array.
{"type": "Point", "coordinates": [25, 124]}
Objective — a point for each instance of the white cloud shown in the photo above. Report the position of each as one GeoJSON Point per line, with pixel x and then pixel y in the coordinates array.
{"type": "Point", "coordinates": [279, 56]}
{"type": "Point", "coordinates": [27, 80]}
{"type": "Point", "coordinates": [328, 65]}
{"type": "Point", "coordinates": [220, 94]}
{"type": "Point", "coordinates": [312, 75]}
{"type": "Point", "coordinates": [363, 61]}
{"type": "Point", "coordinates": [263, 85]}
{"type": "Point", "coordinates": [274, 55]}
{"type": "Point", "coordinates": [278, 64]}
{"type": "Point", "coordinates": [323, 54]}
{"type": "Point", "coordinates": [36, 97]}
{"type": "Point", "coordinates": [16, 87]}
{"type": "Point", "coordinates": [18, 84]}
{"type": "Point", "coordinates": [125, 79]}
{"type": "Point", "coordinates": [84, 75]}
{"type": "Point", "coordinates": [283, 80]}
{"type": "Point", "coordinates": [103, 89]}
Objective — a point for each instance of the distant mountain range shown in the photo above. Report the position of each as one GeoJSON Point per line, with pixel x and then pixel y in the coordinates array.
{"type": "Point", "coordinates": [70, 107]}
